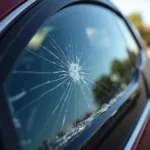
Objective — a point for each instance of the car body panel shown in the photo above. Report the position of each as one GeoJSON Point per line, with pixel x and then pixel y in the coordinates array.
{"type": "Point", "coordinates": [143, 142]}
{"type": "Point", "coordinates": [7, 6]}
{"type": "Point", "coordinates": [142, 139]}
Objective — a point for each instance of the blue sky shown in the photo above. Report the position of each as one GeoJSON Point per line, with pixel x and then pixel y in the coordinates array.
{"type": "Point", "coordinates": [129, 6]}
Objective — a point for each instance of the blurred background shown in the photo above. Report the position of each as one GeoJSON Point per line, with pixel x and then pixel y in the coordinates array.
{"type": "Point", "coordinates": [138, 11]}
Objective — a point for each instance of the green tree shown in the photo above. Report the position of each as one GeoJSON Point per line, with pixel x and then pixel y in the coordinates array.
{"type": "Point", "coordinates": [137, 20]}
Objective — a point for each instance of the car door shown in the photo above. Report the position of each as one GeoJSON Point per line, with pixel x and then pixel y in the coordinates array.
{"type": "Point", "coordinates": [71, 78]}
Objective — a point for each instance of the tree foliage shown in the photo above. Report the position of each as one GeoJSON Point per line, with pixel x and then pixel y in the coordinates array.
{"type": "Point", "coordinates": [137, 20]}
{"type": "Point", "coordinates": [112, 83]}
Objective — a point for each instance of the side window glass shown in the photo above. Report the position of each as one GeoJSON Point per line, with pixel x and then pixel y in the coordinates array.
{"type": "Point", "coordinates": [130, 41]}
{"type": "Point", "coordinates": [73, 69]}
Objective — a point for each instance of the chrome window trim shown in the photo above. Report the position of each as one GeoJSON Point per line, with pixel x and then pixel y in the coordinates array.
{"type": "Point", "coordinates": [8, 19]}
{"type": "Point", "coordinates": [138, 127]}
{"type": "Point", "coordinates": [142, 60]}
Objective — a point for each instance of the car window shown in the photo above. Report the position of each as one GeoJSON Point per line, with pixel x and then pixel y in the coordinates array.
{"type": "Point", "coordinates": [132, 46]}
{"type": "Point", "coordinates": [73, 69]}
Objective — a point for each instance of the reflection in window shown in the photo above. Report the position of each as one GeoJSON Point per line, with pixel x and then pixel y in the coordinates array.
{"type": "Point", "coordinates": [130, 41]}
{"type": "Point", "coordinates": [73, 70]}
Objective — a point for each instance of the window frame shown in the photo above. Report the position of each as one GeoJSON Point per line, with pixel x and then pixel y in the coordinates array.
{"type": "Point", "coordinates": [100, 121]}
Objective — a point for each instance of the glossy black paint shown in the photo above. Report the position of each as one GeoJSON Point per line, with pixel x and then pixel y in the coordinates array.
{"type": "Point", "coordinates": [121, 132]}
{"type": "Point", "coordinates": [102, 129]}
{"type": "Point", "coordinates": [8, 137]}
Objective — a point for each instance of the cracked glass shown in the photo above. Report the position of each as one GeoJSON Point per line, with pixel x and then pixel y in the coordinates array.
{"type": "Point", "coordinates": [73, 70]}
